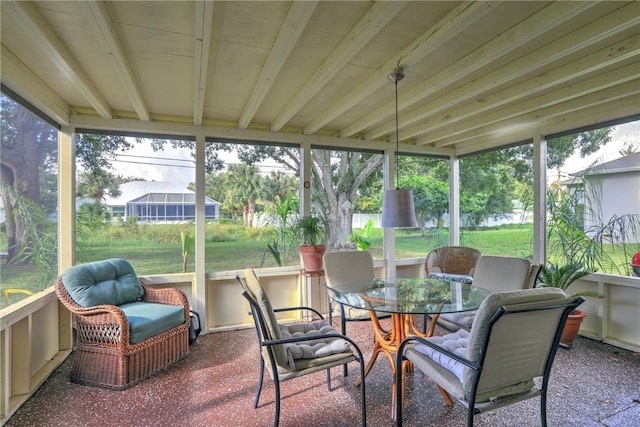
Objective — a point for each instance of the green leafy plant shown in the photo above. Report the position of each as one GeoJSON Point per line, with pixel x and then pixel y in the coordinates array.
{"type": "Point", "coordinates": [281, 215]}
{"type": "Point", "coordinates": [272, 248]}
{"type": "Point", "coordinates": [362, 241]}
{"type": "Point", "coordinates": [312, 229]}
{"type": "Point", "coordinates": [554, 276]}
{"type": "Point", "coordinates": [577, 233]}
{"type": "Point", "coordinates": [188, 247]}
{"type": "Point", "coordinates": [40, 237]}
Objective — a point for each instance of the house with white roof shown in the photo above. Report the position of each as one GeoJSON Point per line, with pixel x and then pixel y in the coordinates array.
{"type": "Point", "coordinates": [158, 201]}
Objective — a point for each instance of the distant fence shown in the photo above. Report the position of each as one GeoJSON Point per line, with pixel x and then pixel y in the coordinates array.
{"type": "Point", "coordinates": [361, 219]}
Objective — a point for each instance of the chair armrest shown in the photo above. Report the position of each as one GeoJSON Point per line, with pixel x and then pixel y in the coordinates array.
{"type": "Point", "coordinates": [301, 308]}
{"type": "Point", "coordinates": [439, 349]}
{"type": "Point", "coordinates": [105, 311]}
{"type": "Point", "coordinates": [171, 296]}
{"type": "Point", "coordinates": [100, 318]}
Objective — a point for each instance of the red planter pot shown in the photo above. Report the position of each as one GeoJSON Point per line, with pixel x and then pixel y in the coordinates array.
{"type": "Point", "coordinates": [312, 257]}
{"type": "Point", "coordinates": [572, 327]}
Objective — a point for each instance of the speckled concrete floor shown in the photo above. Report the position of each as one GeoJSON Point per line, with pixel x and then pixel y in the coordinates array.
{"type": "Point", "coordinates": [593, 384]}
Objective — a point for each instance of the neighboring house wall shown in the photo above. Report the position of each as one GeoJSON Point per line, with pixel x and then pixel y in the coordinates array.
{"type": "Point", "coordinates": [612, 190]}
{"type": "Point", "coordinates": [619, 195]}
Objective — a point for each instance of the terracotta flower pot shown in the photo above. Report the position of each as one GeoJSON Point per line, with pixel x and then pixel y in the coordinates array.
{"type": "Point", "coordinates": [312, 257]}
{"type": "Point", "coordinates": [572, 327]}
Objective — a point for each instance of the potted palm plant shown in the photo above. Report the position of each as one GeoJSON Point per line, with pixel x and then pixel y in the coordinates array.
{"type": "Point", "coordinates": [562, 277]}
{"type": "Point", "coordinates": [313, 232]}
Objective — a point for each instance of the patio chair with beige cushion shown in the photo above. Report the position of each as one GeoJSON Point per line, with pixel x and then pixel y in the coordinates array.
{"type": "Point", "coordinates": [296, 349]}
{"type": "Point", "coordinates": [513, 340]}
{"type": "Point", "coordinates": [126, 330]}
{"type": "Point", "coordinates": [495, 274]}
{"type": "Point", "coordinates": [349, 272]}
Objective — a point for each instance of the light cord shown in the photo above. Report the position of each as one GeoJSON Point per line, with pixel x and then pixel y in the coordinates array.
{"type": "Point", "coordinates": [397, 137]}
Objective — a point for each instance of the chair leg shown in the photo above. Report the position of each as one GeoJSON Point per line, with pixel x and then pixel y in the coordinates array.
{"type": "Point", "coordinates": [259, 390]}
{"type": "Point", "coordinates": [471, 412]}
{"type": "Point", "coordinates": [399, 397]}
{"type": "Point", "coordinates": [543, 408]}
{"type": "Point", "coordinates": [329, 379]}
{"type": "Point", "coordinates": [343, 324]}
{"type": "Point", "coordinates": [363, 392]}
{"type": "Point", "coordinates": [276, 382]}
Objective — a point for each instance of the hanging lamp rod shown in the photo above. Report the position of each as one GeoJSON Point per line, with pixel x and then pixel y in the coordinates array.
{"type": "Point", "coordinates": [395, 77]}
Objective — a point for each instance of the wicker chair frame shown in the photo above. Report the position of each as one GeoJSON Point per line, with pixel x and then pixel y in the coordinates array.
{"type": "Point", "coordinates": [105, 358]}
{"type": "Point", "coordinates": [452, 259]}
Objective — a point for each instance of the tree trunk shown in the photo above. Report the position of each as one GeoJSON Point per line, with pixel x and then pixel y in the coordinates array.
{"type": "Point", "coordinates": [340, 223]}
{"type": "Point", "coordinates": [252, 213]}
{"type": "Point", "coordinates": [20, 171]}
{"type": "Point", "coordinates": [337, 199]}
{"type": "Point", "coordinates": [245, 214]}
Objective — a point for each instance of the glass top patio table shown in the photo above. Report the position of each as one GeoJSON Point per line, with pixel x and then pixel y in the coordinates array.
{"type": "Point", "coordinates": [412, 296]}
{"type": "Point", "coordinates": [403, 298]}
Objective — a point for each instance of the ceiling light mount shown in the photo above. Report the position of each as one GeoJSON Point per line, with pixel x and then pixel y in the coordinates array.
{"type": "Point", "coordinates": [396, 75]}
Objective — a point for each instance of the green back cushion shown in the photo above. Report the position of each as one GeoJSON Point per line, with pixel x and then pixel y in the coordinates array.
{"type": "Point", "coordinates": [111, 281]}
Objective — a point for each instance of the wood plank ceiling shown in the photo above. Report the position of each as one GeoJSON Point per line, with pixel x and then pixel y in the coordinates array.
{"type": "Point", "coordinates": [478, 74]}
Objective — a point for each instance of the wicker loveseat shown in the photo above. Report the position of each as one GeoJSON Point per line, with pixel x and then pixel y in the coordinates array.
{"type": "Point", "coordinates": [126, 330]}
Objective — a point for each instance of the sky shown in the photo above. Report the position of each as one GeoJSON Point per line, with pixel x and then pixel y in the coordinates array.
{"type": "Point", "coordinates": [171, 164]}
{"type": "Point", "coordinates": [177, 165]}
{"type": "Point", "coordinates": [625, 133]}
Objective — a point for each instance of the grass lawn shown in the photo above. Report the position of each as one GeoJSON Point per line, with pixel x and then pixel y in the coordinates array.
{"type": "Point", "coordinates": [149, 256]}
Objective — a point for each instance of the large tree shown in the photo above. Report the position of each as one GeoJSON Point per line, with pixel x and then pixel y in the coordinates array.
{"type": "Point", "coordinates": [28, 148]}
{"type": "Point", "coordinates": [336, 177]}
{"type": "Point", "coordinates": [244, 186]}
{"type": "Point", "coordinates": [29, 159]}
{"type": "Point", "coordinates": [430, 197]}
{"type": "Point", "coordinates": [96, 184]}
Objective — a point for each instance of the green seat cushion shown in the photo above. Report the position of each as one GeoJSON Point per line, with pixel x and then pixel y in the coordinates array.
{"type": "Point", "coordinates": [111, 281]}
{"type": "Point", "coordinates": [149, 319]}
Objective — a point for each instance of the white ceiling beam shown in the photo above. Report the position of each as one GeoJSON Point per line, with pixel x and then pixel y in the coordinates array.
{"type": "Point", "coordinates": [164, 129]}
{"type": "Point", "coordinates": [20, 79]}
{"type": "Point", "coordinates": [40, 31]}
{"type": "Point", "coordinates": [107, 34]}
{"type": "Point", "coordinates": [529, 119]}
{"type": "Point", "coordinates": [543, 21]}
{"type": "Point", "coordinates": [372, 22]}
{"type": "Point", "coordinates": [596, 115]}
{"type": "Point", "coordinates": [290, 31]}
{"type": "Point", "coordinates": [599, 62]}
{"type": "Point", "coordinates": [610, 81]}
{"type": "Point", "coordinates": [202, 48]}
{"type": "Point", "coordinates": [449, 26]}
{"type": "Point", "coordinates": [542, 59]}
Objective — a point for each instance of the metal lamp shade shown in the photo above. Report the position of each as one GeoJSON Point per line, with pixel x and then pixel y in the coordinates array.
{"type": "Point", "coordinates": [398, 209]}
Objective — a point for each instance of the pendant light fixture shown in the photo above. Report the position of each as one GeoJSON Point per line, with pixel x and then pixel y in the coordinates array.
{"type": "Point", "coordinates": [397, 205]}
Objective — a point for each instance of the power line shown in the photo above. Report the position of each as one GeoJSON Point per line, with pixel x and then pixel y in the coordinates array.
{"type": "Point", "coordinates": [152, 157]}
{"type": "Point", "coordinates": [156, 164]}
{"type": "Point", "coordinates": [261, 167]}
